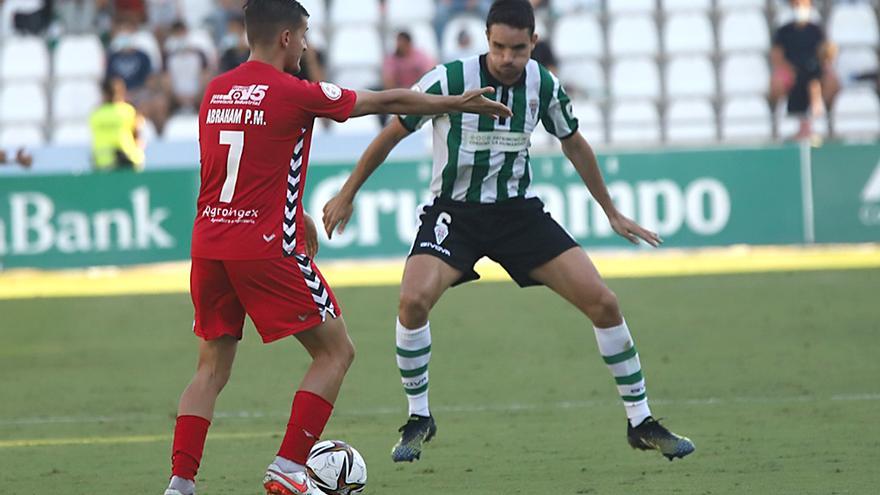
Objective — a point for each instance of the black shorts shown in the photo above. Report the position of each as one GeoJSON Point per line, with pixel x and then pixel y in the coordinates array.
{"type": "Point", "coordinates": [517, 234]}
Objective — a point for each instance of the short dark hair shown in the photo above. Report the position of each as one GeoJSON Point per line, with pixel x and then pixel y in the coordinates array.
{"type": "Point", "coordinates": [405, 35]}
{"type": "Point", "coordinates": [264, 19]}
{"type": "Point", "coordinates": [517, 14]}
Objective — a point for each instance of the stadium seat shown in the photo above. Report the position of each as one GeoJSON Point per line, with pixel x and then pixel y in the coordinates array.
{"type": "Point", "coordinates": [360, 12]}
{"type": "Point", "coordinates": [475, 27]}
{"type": "Point", "coordinates": [423, 34]}
{"type": "Point", "coordinates": [789, 125]}
{"type": "Point", "coordinates": [72, 133]}
{"type": "Point", "coordinates": [784, 14]}
{"type": "Point", "coordinates": [746, 73]}
{"type": "Point", "coordinates": [689, 121]}
{"type": "Point", "coordinates": [634, 123]}
{"type": "Point", "coordinates": [358, 78]}
{"type": "Point", "coordinates": [584, 77]}
{"type": "Point", "coordinates": [578, 36]}
{"type": "Point", "coordinates": [853, 24]}
{"type": "Point", "coordinates": [74, 100]}
{"type": "Point", "coordinates": [730, 5]}
{"type": "Point", "coordinates": [565, 7]}
{"type": "Point", "coordinates": [690, 76]}
{"type": "Point", "coordinates": [355, 47]}
{"type": "Point", "coordinates": [857, 60]}
{"type": "Point", "coordinates": [23, 103]}
{"type": "Point", "coordinates": [744, 31]}
{"type": "Point", "coordinates": [626, 7]}
{"type": "Point", "coordinates": [29, 136]}
{"type": "Point", "coordinates": [686, 5]}
{"type": "Point", "coordinates": [361, 126]}
{"type": "Point", "coordinates": [149, 133]}
{"type": "Point", "coordinates": [184, 127]}
{"type": "Point", "coordinates": [856, 113]}
{"type": "Point", "coordinates": [746, 118]}
{"type": "Point", "coordinates": [317, 12]}
{"type": "Point", "coordinates": [196, 11]}
{"type": "Point", "coordinates": [688, 33]}
{"type": "Point", "coordinates": [400, 13]}
{"type": "Point", "coordinates": [633, 35]}
{"type": "Point", "coordinates": [79, 56]}
{"type": "Point", "coordinates": [591, 123]}
{"type": "Point", "coordinates": [635, 78]}
{"type": "Point", "coordinates": [24, 58]}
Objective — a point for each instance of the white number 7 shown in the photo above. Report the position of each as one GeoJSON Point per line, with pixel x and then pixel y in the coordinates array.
{"type": "Point", "coordinates": [235, 140]}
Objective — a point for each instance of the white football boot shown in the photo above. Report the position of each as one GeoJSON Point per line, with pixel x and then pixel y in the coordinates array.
{"type": "Point", "coordinates": [277, 482]}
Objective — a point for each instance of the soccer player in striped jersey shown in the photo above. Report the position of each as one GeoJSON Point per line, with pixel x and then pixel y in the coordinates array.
{"type": "Point", "coordinates": [483, 206]}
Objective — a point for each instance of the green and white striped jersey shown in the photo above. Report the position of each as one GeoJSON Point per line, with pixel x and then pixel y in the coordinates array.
{"type": "Point", "coordinates": [481, 159]}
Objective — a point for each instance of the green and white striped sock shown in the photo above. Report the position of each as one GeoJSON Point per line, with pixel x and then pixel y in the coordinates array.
{"type": "Point", "coordinates": [413, 355]}
{"type": "Point", "coordinates": [619, 353]}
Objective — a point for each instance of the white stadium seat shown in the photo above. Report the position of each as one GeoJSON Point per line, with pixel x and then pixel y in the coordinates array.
{"type": "Point", "coordinates": [789, 125]}
{"type": "Point", "coordinates": [358, 12]}
{"type": "Point", "coordinates": [690, 76]}
{"type": "Point", "coordinates": [686, 5]}
{"type": "Point", "coordinates": [856, 112]}
{"type": "Point", "coordinates": [633, 35]}
{"type": "Point", "coordinates": [72, 133]}
{"type": "Point", "coordinates": [746, 118]}
{"type": "Point", "coordinates": [785, 14]}
{"type": "Point", "coordinates": [744, 30]}
{"type": "Point", "coordinates": [22, 136]}
{"type": "Point", "coordinates": [689, 121]}
{"type": "Point", "coordinates": [688, 33]}
{"type": "Point", "coordinates": [182, 128]}
{"type": "Point", "coordinates": [356, 47]}
{"type": "Point", "coordinates": [75, 100]}
{"type": "Point", "coordinates": [565, 7]}
{"type": "Point", "coordinates": [590, 120]}
{"type": "Point", "coordinates": [317, 12]}
{"type": "Point", "coordinates": [361, 126]}
{"type": "Point", "coordinates": [635, 78]}
{"type": "Point", "coordinates": [853, 24]}
{"type": "Point", "coordinates": [584, 77]}
{"type": "Point", "coordinates": [728, 5]}
{"type": "Point", "coordinates": [578, 36]}
{"type": "Point", "coordinates": [24, 58]}
{"type": "Point", "coordinates": [400, 13]}
{"type": "Point", "coordinates": [746, 73]}
{"type": "Point", "coordinates": [852, 61]}
{"type": "Point", "coordinates": [635, 123]}
{"type": "Point", "coordinates": [424, 38]}
{"type": "Point", "coordinates": [476, 29]}
{"type": "Point", "coordinates": [358, 78]}
{"type": "Point", "coordinates": [79, 56]}
{"type": "Point", "coordinates": [196, 11]}
{"type": "Point", "coordinates": [22, 103]}
{"type": "Point", "coordinates": [625, 7]}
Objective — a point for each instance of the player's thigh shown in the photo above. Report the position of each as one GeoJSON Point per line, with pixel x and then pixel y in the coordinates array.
{"type": "Point", "coordinates": [426, 278]}
{"type": "Point", "coordinates": [573, 276]}
{"type": "Point", "coordinates": [218, 310]}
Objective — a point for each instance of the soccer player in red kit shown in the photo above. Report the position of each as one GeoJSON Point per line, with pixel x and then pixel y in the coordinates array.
{"type": "Point", "coordinates": [253, 245]}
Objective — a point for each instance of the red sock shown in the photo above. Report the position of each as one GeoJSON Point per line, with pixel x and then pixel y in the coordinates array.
{"type": "Point", "coordinates": [307, 420]}
{"type": "Point", "coordinates": [189, 442]}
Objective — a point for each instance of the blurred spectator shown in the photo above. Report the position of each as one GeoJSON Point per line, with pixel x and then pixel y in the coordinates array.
{"type": "Point", "coordinates": [162, 15]}
{"type": "Point", "coordinates": [464, 46]}
{"type": "Point", "coordinates": [133, 66]}
{"type": "Point", "coordinates": [22, 158]}
{"type": "Point", "coordinates": [77, 16]}
{"type": "Point", "coordinates": [31, 17]}
{"type": "Point", "coordinates": [447, 9]}
{"type": "Point", "coordinates": [186, 68]}
{"type": "Point", "coordinates": [234, 45]}
{"type": "Point", "coordinates": [134, 11]}
{"type": "Point", "coordinates": [115, 125]}
{"type": "Point", "coordinates": [543, 54]}
{"type": "Point", "coordinates": [802, 60]}
{"type": "Point", "coordinates": [218, 21]}
{"type": "Point", "coordinates": [406, 65]}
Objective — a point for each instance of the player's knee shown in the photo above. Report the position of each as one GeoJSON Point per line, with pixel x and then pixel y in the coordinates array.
{"type": "Point", "coordinates": [605, 311]}
{"type": "Point", "coordinates": [414, 308]}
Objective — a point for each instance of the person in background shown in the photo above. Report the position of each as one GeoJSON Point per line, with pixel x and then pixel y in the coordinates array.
{"type": "Point", "coordinates": [447, 9]}
{"type": "Point", "coordinates": [802, 60]}
{"type": "Point", "coordinates": [162, 16]}
{"type": "Point", "coordinates": [115, 126]}
{"type": "Point", "coordinates": [234, 45]}
{"type": "Point", "coordinates": [406, 65]}
{"type": "Point", "coordinates": [186, 69]}
{"type": "Point", "coordinates": [464, 46]}
{"type": "Point", "coordinates": [22, 158]}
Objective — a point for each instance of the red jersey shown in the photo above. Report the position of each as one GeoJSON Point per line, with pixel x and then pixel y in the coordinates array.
{"type": "Point", "coordinates": [255, 131]}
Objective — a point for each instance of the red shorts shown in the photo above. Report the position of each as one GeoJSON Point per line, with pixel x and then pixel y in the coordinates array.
{"type": "Point", "coordinates": [282, 296]}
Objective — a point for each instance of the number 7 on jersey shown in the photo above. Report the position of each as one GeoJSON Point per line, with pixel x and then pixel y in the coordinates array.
{"type": "Point", "coordinates": [235, 141]}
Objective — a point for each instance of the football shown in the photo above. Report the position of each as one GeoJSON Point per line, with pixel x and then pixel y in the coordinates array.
{"type": "Point", "coordinates": [337, 468]}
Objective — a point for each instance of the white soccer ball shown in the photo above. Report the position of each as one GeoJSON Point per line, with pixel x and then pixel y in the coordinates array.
{"type": "Point", "coordinates": [337, 468]}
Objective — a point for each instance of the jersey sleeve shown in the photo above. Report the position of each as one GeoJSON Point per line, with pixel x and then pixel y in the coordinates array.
{"type": "Point", "coordinates": [555, 107]}
{"type": "Point", "coordinates": [432, 83]}
{"type": "Point", "coordinates": [326, 100]}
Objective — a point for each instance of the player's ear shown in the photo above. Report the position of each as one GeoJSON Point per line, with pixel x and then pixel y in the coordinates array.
{"type": "Point", "coordinates": [285, 38]}
{"type": "Point", "coordinates": [534, 39]}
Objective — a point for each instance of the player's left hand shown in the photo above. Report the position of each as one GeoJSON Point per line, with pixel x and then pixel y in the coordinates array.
{"type": "Point", "coordinates": [632, 231]}
{"type": "Point", "coordinates": [311, 237]}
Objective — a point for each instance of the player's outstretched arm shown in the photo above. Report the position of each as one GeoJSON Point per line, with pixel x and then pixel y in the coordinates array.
{"type": "Point", "coordinates": [581, 155]}
{"type": "Point", "coordinates": [339, 209]}
{"type": "Point", "coordinates": [409, 102]}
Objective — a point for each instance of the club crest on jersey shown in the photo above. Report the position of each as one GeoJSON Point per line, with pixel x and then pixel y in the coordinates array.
{"type": "Point", "coordinates": [242, 95]}
{"type": "Point", "coordinates": [331, 90]}
{"type": "Point", "coordinates": [533, 107]}
{"type": "Point", "coordinates": [441, 228]}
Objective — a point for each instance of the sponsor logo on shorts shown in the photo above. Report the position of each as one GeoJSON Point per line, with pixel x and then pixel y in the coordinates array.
{"type": "Point", "coordinates": [332, 91]}
{"type": "Point", "coordinates": [268, 238]}
{"type": "Point", "coordinates": [441, 228]}
{"type": "Point", "coordinates": [303, 317]}
{"type": "Point", "coordinates": [230, 215]}
{"type": "Point", "coordinates": [242, 95]}
{"type": "Point", "coordinates": [439, 249]}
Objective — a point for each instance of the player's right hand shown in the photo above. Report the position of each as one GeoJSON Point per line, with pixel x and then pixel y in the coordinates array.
{"type": "Point", "coordinates": [473, 102]}
{"type": "Point", "coordinates": [337, 211]}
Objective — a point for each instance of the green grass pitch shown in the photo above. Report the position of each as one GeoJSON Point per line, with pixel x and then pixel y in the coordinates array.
{"type": "Point", "coordinates": [774, 377]}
